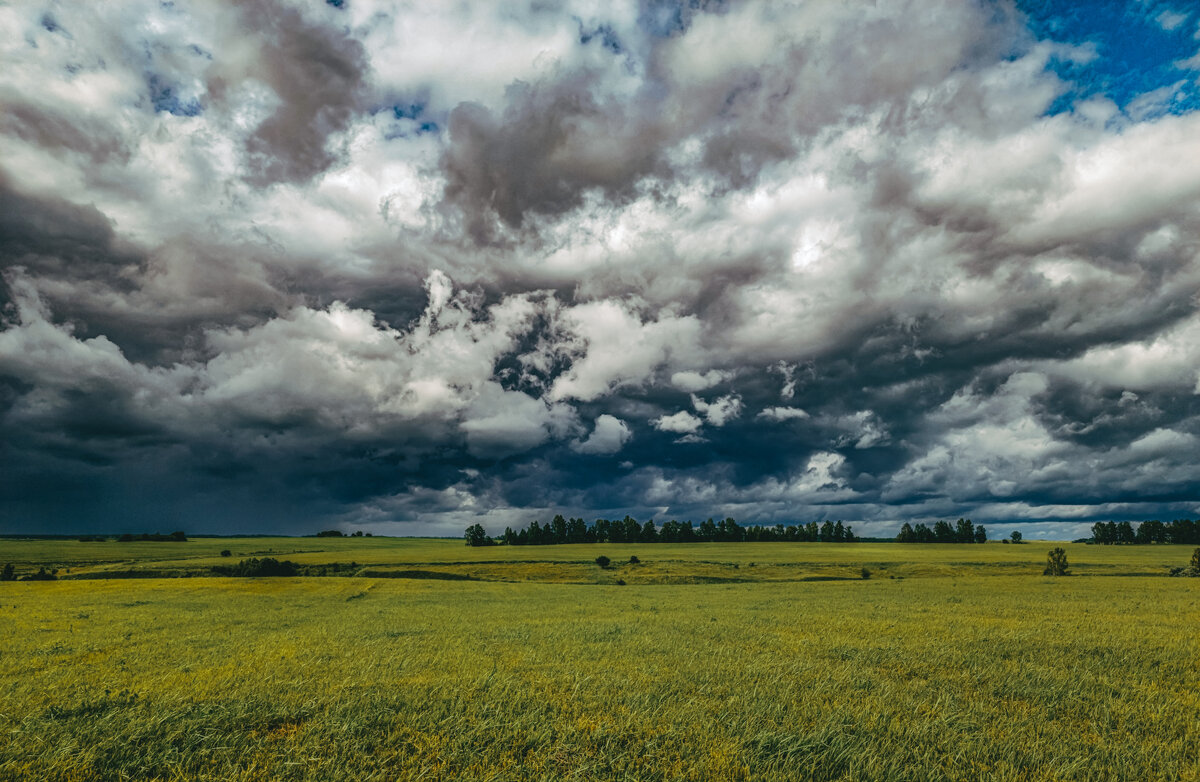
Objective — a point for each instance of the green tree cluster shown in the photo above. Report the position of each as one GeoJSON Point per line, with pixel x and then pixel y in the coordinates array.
{"type": "Point", "coordinates": [962, 531]}
{"type": "Point", "coordinates": [1179, 531]}
{"type": "Point", "coordinates": [629, 530]}
{"type": "Point", "coordinates": [258, 568]}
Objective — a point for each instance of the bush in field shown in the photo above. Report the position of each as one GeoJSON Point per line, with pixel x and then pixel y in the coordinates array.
{"type": "Point", "coordinates": [1056, 563]}
{"type": "Point", "coordinates": [41, 575]}
{"type": "Point", "coordinates": [257, 568]}
{"type": "Point", "coordinates": [226, 552]}
{"type": "Point", "coordinates": [603, 561]}
{"type": "Point", "coordinates": [633, 560]}
{"type": "Point", "coordinates": [8, 574]}
{"type": "Point", "coordinates": [1192, 570]}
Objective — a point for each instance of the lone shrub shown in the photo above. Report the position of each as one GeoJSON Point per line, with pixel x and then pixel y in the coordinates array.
{"type": "Point", "coordinates": [603, 561]}
{"type": "Point", "coordinates": [226, 552]}
{"type": "Point", "coordinates": [256, 568]}
{"type": "Point", "coordinates": [1056, 563]}
{"type": "Point", "coordinates": [1191, 571]}
{"type": "Point", "coordinates": [8, 574]}
{"type": "Point", "coordinates": [865, 574]}
{"type": "Point", "coordinates": [633, 560]}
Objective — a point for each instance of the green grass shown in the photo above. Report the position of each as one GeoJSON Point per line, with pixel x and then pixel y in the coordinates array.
{"type": "Point", "coordinates": [958, 671]}
{"type": "Point", "coordinates": [661, 563]}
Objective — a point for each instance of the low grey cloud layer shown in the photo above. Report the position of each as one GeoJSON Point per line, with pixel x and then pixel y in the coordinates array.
{"type": "Point", "coordinates": [280, 266]}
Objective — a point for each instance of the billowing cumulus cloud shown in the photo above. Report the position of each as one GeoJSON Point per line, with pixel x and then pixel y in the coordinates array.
{"type": "Point", "coordinates": [279, 266]}
{"type": "Point", "coordinates": [608, 437]}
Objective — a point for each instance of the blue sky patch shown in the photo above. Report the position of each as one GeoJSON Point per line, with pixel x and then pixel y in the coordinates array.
{"type": "Point", "coordinates": [1138, 47]}
{"type": "Point", "coordinates": [411, 118]}
{"type": "Point", "coordinates": [165, 97]}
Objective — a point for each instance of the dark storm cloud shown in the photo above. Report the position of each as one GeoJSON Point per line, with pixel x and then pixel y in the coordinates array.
{"type": "Point", "coordinates": [679, 260]}
{"type": "Point", "coordinates": [57, 129]}
{"type": "Point", "coordinates": [552, 144]}
{"type": "Point", "coordinates": [50, 235]}
{"type": "Point", "coordinates": [318, 74]}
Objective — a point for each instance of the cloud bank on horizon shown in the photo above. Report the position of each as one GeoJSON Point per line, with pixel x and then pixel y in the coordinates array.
{"type": "Point", "coordinates": [280, 265]}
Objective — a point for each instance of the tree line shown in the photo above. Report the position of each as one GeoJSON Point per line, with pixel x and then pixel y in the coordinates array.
{"type": "Point", "coordinates": [962, 531]}
{"type": "Point", "coordinates": [629, 530]}
{"type": "Point", "coordinates": [1182, 531]}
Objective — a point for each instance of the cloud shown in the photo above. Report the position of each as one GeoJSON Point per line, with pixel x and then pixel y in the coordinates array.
{"type": "Point", "coordinates": [294, 265]}
{"type": "Point", "coordinates": [696, 381]}
{"type": "Point", "coordinates": [782, 413]}
{"type": "Point", "coordinates": [682, 422]}
{"type": "Point", "coordinates": [317, 74]}
{"type": "Point", "coordinates": [720, 411]}
{"type": "Point", "coordinates": [609, 436]}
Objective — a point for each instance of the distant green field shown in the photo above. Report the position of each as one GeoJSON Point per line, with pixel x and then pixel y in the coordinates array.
{"type": "Point", "coordinates": [967, 665]}
{"type": "Point", "coordinates": [660, 563]}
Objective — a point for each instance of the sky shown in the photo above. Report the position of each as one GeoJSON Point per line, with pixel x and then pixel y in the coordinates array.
{"type": "Point", "coordinates": [281, 266]}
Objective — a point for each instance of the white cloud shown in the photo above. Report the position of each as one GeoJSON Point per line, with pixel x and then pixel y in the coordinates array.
{"type": "Point", "coordinates": [609, 436]}
{"type": "Point", "coordinates": [692, 382]}
{"type": "Point", "coordinates": [782, 413]}
{"type": "Point", "coordinates": [682, 422]}
{"type": "Point", "coordinates": [720, 411]}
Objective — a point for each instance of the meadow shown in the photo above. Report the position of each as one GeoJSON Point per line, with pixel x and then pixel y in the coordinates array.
{"type": "Point", "coordinates": [713, 662]}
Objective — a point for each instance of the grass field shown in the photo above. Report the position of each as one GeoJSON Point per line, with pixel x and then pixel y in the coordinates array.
{"type": "Point", "coordinates": [951, 662]}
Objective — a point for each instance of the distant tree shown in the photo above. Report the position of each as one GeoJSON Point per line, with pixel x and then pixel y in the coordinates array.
{"type": "Point", "coordinates": [330, 533]}
{"type": "Point", "coordinates": [9, 574]}
{"type": "Point", "coordinates": [649, 534]}
{"type": "Point", "coordinates": [964, 531]}
{"type": "Point", "coordinates": [226, 552]}
{"type": "Point", "coordinates": [476, 535]}
{"type": "Point", "coordinates": [1183, 531]}
{"type": "Point", "coordinates": [603, 561]}
{"type": "Point", "coordinates": [826, 534]}
{"type": "Point", "coordinates": [980, 534]}
{"type": "Point", "coordinates": [906, 534]}
{"type": "Point", "coordinates": [1195, 563]}
{"type": "Point", "coordinates": [943, 532]}
{"type": "Point", "coordinates": [729, 530]}
{"type": "Point", "coordinates": [1015, 537]}
{"type": "Point", "coordinates": [1056, 563]}
{"type": "Point", "coordinates": [633, 560]}
{"type": "Point", "coordinates": [558, 528]}
{"type": "Point", "coordinates": [41, 575]}
{"type": "Point", "coordinates": [1152, 532]}
{"type": "Point", "coordinates": [839, 531]}
{"type": "Point", "coordinates": [357, 533]}
{"type": "Point", "coordinates": [577, 531]}
{"type": "Point", "coordinates": [1125, 533]}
